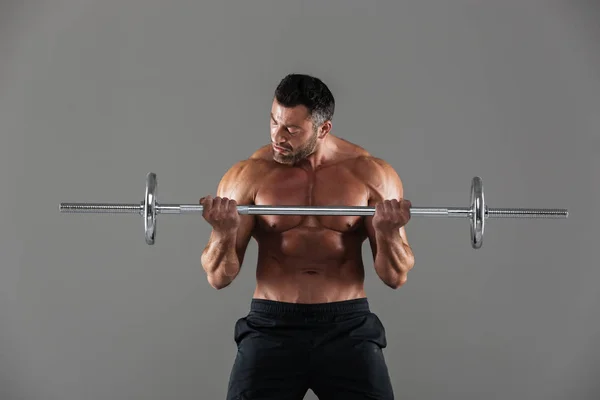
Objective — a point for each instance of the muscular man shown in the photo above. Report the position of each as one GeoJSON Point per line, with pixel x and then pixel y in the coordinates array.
{"type": "Point", "coordinates": [309, 324]}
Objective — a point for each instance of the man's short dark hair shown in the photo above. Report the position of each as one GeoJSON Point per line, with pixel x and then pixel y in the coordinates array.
{"type": "Point", "coordinates": [309, 91]}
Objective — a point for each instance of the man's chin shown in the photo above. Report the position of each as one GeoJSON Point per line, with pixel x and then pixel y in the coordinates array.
{"type": "Point", "coordinates": [283, 160]}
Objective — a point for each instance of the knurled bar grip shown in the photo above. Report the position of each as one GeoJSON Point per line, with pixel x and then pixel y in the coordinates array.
{"type": "Point", "coordinates": [477, 212]}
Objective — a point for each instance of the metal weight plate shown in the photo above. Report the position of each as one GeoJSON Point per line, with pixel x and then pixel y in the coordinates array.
{"type": "Point", "coordinates": [149, 211]}
{"type": "Point", "coordinates": [478, 212]}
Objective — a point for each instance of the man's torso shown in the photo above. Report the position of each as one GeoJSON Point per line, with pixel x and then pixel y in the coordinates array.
{"type": "Point", "coordinates": [311, 259]}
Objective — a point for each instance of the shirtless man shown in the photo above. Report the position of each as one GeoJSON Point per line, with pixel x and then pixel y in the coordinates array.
{"type": "Point", "coordinates": [309, 324]}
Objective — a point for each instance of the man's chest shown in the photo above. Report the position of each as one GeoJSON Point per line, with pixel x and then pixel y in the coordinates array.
{"type": "Point", "coordinates": [323, 187]}
{"type": "Point", "coordinates": [332, 186]}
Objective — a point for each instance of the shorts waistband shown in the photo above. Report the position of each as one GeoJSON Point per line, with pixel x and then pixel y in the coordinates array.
{"type": "Point", "coordinates": [301, 309]}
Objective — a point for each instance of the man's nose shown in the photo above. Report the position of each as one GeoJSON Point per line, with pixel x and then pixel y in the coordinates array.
{"type": "Point", "coordinates": [280, 136]}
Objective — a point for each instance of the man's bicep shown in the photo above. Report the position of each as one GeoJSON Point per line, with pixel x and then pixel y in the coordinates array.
{"type": "Point", "coordinates": [244, 235]}
{"type": "Point", "coordinates": [389, 187]}
{"type": "Point", "coordinates": [395, 190]}
{"type": "Point", "coordinates": [236, 184]}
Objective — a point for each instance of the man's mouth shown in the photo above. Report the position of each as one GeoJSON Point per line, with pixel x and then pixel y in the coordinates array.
{"type": "Point", "coordinates": [280, 149]}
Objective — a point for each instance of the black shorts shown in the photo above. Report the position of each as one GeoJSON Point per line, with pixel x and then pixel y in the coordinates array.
{"type": "Point", "coordinates": [334, 349]}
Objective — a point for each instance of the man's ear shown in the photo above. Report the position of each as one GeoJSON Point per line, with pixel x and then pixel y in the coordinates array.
{"type": "Point", "coordinates": [324, 129]}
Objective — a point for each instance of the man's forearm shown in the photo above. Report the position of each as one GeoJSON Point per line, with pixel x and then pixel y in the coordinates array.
{"type": "Point", "coordinates": [393, 259]}
{"type": "Point", "coordinates": [220, 259]}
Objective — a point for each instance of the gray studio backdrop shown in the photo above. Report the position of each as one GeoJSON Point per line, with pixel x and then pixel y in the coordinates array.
{"type": "Point", "coordinates": [94, 94]}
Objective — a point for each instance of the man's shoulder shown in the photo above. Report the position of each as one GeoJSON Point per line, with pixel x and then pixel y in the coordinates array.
{"type": "Point", "coordinates": [257, 163]}
{"type": "Point", "coordinates": [372, 167]}
{"type": "Point", "coordinates": [263, 153]}
{"type": "Point", "coordinates": [362, 159]}
{"type": "Point", "coordinates": [363, 164]}
{"type": "Point", "coordinates": [378, 175]}
{"type": "Point", "coordinates": [240, 180]}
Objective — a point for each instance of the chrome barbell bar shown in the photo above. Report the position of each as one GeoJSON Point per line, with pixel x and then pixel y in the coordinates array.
{"type": "Point", "coordinates": [477, 212]}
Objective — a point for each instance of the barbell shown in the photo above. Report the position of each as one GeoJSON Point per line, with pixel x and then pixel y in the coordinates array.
{"type": "Point", "coordinates": [477, 212]}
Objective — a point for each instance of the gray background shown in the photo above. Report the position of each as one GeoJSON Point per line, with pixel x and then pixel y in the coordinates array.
{"type": "Point", "coordinates": [96, 93]}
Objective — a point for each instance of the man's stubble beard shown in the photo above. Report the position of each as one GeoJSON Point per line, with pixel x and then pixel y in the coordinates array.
{"type": "Point", "coordinates": [299, 154]}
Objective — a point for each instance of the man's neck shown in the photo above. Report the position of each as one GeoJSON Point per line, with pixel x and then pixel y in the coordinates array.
{"type": "Point", "coordinates": [323, 154]}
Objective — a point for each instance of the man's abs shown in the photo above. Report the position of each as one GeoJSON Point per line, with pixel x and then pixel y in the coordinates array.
{"type": "Point", "coordinates": [309, 265]}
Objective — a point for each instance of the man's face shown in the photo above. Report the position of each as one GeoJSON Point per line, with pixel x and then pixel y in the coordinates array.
{"type": "Point", "coordinates": [293, 135]}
